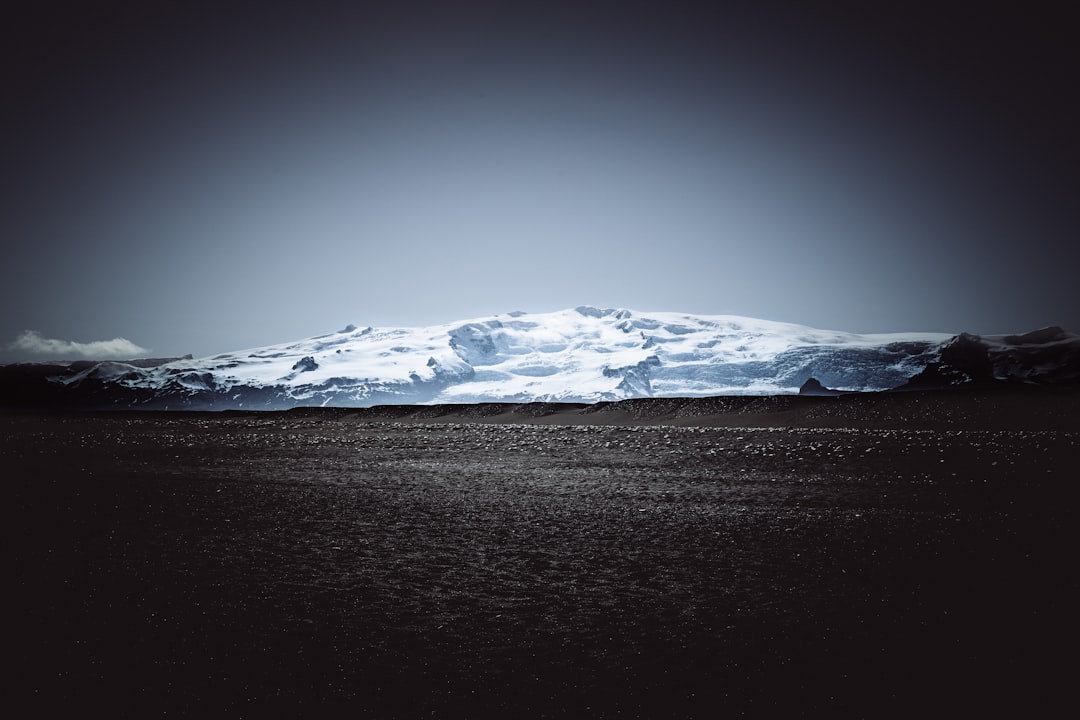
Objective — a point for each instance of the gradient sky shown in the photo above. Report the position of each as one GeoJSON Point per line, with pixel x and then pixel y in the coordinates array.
{"type": "Point", "coordinates": [202, 177]}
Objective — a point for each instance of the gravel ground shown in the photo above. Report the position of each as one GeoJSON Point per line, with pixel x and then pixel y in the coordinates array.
{"type": "Point", "coordinates": [317, 563]}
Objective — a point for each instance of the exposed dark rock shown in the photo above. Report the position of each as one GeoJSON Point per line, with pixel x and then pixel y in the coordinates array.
{"type": "Point", "coordinates": [1049, 356]}
{"type": "Point", "coordinates": [814, 388]}
{"type": "Point", "coordinates": [1041, 336]}
{"type": "Point", "coordinates": [305, 364]}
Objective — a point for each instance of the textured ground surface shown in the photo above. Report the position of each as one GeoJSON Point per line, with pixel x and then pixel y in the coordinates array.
{"type": "Point", "coordinates": [311, 562]}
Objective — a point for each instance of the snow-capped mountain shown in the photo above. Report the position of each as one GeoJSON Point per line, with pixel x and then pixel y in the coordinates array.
{"type": "Point", "coordinates": [585, 354]}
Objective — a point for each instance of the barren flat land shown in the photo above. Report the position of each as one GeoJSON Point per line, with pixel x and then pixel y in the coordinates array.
{"type": "Point", "coordinates": [861, 556]}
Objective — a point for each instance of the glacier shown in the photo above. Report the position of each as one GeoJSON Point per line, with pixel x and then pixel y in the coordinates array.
{"type": "Point", "coordinates": [585, 354]}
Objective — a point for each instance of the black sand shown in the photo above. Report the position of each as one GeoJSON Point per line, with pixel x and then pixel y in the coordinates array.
{"type": "Point", "coordinates": [883, 556]}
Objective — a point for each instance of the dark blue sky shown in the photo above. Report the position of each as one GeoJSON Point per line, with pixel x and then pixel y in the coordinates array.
{"type": "Point", "coordinates": [201, 177]}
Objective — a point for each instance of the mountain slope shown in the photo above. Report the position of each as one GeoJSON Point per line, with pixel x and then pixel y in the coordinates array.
{"type": "Point", "coordinates": [585, 354]}
{"type": "Point", "coordinates": [1049, 356]}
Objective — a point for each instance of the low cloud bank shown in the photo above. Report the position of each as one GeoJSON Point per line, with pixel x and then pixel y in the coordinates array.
{"type": "Point", "coordinates": [31, 341]}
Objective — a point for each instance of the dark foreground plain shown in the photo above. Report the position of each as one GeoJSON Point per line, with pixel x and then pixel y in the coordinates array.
{"type": "Point", "coordinates": [885, 556]}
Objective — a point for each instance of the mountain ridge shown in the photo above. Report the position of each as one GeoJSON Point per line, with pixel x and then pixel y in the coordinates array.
{"type": "Point", "coordinates": [585, 354]}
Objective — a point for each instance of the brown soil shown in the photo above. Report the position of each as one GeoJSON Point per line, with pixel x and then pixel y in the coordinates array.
{"type": "Point", "coordinates": [317, 562]}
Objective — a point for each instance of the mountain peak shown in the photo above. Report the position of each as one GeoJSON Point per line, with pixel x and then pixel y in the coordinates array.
{"type": "Point", "coordinates": [595, 312]}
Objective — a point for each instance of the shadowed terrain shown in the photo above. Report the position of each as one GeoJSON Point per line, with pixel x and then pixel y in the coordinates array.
{"type": "Point", "coordinates": [853, 556]}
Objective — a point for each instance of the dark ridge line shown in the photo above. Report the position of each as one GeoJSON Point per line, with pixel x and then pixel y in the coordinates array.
{"type": "Point", "coordinates": [1013, 407]}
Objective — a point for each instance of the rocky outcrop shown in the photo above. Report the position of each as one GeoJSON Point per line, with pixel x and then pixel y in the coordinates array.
{"type": "Point", "coordinates": [1049, 356]}
{"type": "Point", "coordinates": [814, 388]}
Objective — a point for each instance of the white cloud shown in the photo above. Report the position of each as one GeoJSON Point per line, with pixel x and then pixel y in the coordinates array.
{"type": "Point", "coordinates": [32, 341]}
